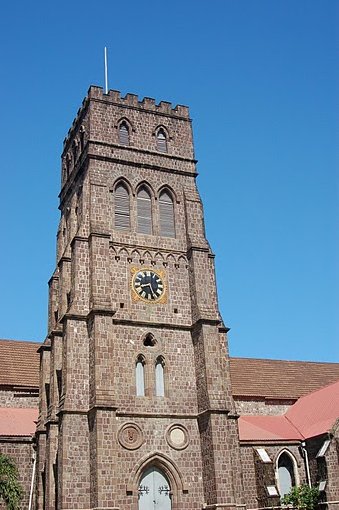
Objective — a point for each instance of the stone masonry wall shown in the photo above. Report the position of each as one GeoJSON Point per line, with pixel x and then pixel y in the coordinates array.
{"type": "Point", "coordinates": [21, 451]}
{"type": "Point", "coordinates": [263, 407]}
{"type": "Point", "coordinates": [17, 398]}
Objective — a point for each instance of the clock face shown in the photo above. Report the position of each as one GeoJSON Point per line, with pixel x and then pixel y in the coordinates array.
{"type": "Point", "coordinates": [148, 285]}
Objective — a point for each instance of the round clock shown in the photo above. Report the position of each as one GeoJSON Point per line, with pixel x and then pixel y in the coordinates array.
{"type": "Point", "coordinates": [148, 285]}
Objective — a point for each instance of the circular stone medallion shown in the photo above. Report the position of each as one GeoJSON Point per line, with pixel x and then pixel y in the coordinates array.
{"type": "Point", "coordinates": [130, 436]}
{"type": "Point", "coordinates": [177, 436]}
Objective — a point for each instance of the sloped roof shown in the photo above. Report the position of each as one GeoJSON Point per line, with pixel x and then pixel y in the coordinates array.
{"type": "Point", "coordinates": [310, 416]}
{"type": "Point", "coordinates": [317, 412]}
{"type": "Point", "coordinates": [267, 428]}
{"type": "Point", "coordinates": [17, 421]}
{"type": "Point", "coordinates": [278, 379]}
{"type": "Point", "coordinates": [19, 362]}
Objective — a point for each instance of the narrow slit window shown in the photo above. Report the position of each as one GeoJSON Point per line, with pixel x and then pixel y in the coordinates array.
{"type": "Point", "coordinates": [166, 209]}
{"type": "Point", "coordinates": [159, 378]}
{"type": "Point", "coordinates": [140, 377]}
{"type": "Point", "coordinates": [161, 141]}
{"type": "Point", "coordinates": [144, 207]}
{"type": "Point", "coordinates": [123, 134]}
{"type": "Point", "coordinates": [122, 208]}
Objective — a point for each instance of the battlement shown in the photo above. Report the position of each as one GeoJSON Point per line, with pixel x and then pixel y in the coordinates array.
{"type": "Point", "coordinates": [132, 100]}
{"type": "Point", "coordinates": [147, 104]}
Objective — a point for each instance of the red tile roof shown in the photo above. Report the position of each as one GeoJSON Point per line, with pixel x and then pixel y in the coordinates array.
{"type": "Point", "coordinates": [19, 362]}
{"type": "Point", "coordinates": [317, 412]}
{"type": "Point", "coordinates": [267, 428]}
{"type": "Point", "coordinates": [310, 416]}
{"type": "Point", "coordinates": [17, 421]}
{"type": "Point", "coordinates": [278, 379]}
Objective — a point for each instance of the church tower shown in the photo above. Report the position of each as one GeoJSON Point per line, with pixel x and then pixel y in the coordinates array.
{"type": "Point", "coordinates": [136, 410]}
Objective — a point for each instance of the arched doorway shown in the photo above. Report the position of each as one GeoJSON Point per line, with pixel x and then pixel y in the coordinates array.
{"type": "Point", "coordinates": [286, 474]}
{"type": "Point", "coordinates": [154, 490]}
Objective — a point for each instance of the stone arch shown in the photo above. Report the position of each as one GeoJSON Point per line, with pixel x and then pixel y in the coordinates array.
{"type": "Point", "coordinates": [164, 463]}
{"type": "Point", "coordinates": [170, 190]}
{"type": "Point", "coordinates": [147, 255]}
{"type": "Point", "coordinates": [284, 452]}
{"type": "Point", "coordinates": [159, 256]}
{"type": "Point", "coordinates": [135, 254]}
{"type": "Point", "coordinates": [182, 258]}
{"type": "Point", "coordinates": [123, 252]}
{"type": "Point", "coordinates": [149, 188]}
{"type": "Point", "coordinates": [148, 339]}
{"type": "Point", "coordinates": [128, 122]}
{"type": "Point", "coordinates": [163, 128]}
{"type": "Point", "coordinates": [170, 258]}
{"type": "Point", "coordinates": [122, 180]}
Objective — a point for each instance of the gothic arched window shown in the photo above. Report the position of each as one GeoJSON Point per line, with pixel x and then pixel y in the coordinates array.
{"type": "Point", "coordinates": [144, 210]}
{"type": "Point", "coordinates": [159, 377]}
{"type": "Point", "coordinates": [161, 141]}
{"type": "Point", "coordinates": [140, 377]}
{"type": "Point", "coordinates": [286, 473]}
{"type": "Point", "coordinates": [121, 208]}
{"type": "Point", "coordinates": [166, 212]}
{"type": "Point", "coordinates": [124, 133]}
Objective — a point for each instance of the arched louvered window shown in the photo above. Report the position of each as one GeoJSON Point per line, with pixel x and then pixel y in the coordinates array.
{"type": "Point", "coordinates": [144, 209]}
{"type": "Point", "coordinates": [166, 211]}
{"type": "Point", "coordinates": [286, 473]}
{"type": "Point", "coordinates": [123, 134]}
{"type": "Point", "coordinates": [159, 377]}
{"type": "Point", "coordinates": [121, 210]}
{"type": "Point", "coordinates": [161, 141]}
{"type": "Point", "coordinates": [140, 377]}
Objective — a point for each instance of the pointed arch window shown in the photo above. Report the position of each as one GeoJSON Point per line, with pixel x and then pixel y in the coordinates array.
{"type": "Point", "coordinates": [286, 473]}
{"type": "Point", "coordinates": [161, 141]}
{"type": "Point", "coordinates": [122, 208]}
{"type": "Point", "coordinates": [140, 377]}
{"type": "Point", "coordinates": [166, 211]}
{"type": "Point", "coordinates": [159, 377]}
{"type": "Point", "coordinates": [124, 133]}
{"type": "Point", "coordinates": [144, 209]}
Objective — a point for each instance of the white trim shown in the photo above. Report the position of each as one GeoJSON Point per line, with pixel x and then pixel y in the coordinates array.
{"type": "Point", "coordinates": [263, 455]}
{"type": "Point", "coordinates": [323, 449]}
{"type": "Point", "coordinates": [295, 468]}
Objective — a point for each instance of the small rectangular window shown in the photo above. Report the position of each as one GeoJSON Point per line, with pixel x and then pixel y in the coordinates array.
{"type": "Point", "coordinates": [263, 455]}
{"type": "Point", "coordinates": [272, 490]}
{"type": "Point", "coordinates": [322, 485]}
{"type": "Point", "coordinates": [323, 449]}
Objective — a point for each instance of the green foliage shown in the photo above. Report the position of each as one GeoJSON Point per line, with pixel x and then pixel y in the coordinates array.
{"type": "Point", "coordinates": [302, 497]}
{"type": "Point", "coordinates": [10, 489]}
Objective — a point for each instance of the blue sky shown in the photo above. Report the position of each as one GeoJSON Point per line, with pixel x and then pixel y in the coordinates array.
{"type": "Point", "coordinates": [260, 79]}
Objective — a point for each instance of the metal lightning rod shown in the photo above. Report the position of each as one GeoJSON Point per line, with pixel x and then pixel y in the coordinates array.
{"type": "Point", "coordinates": [106, 73]}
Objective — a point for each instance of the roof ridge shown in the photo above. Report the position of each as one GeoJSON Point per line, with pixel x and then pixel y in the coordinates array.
{"type": "Point", "coordinates": [284, 360]}
{"type": "Point", "coordinates": [13, 340]}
